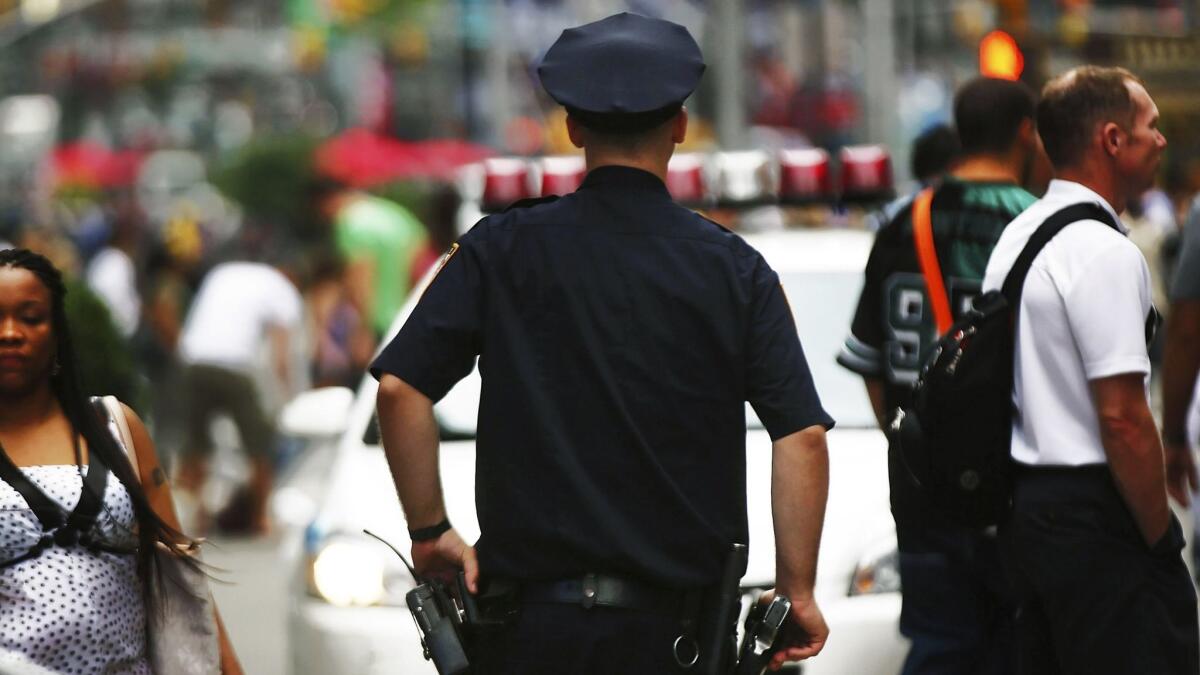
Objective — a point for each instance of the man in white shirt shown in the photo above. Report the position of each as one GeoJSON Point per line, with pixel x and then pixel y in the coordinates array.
{"type": "Point", "coordinates": [1093, 549]}
{"type": "Point", "coordinates": [240, 305]}
{"type": "Point", "coordinates": [113, 278]}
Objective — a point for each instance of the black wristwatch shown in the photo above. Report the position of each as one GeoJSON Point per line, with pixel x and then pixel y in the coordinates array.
{"type": "Point", "coordinates": [429, 533]}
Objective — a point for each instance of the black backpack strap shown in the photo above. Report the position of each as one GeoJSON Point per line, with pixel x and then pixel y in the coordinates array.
{"type": "Point", "coordinates": [48, 512]}
{"type": "Point", "coordinates": [91, 498]}
{"type": "Point", "coordinates": [1015, 280]}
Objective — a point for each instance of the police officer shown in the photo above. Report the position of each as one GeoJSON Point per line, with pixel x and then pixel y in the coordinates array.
{"type": "Point", "coordinates": [618, 337]}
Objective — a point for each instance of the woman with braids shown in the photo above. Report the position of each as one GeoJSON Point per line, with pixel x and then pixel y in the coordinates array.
{"type": "Point", "coordinates": [77, 527]}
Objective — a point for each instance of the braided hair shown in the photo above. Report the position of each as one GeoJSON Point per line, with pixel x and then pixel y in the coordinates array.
{"type": "Point", "coordinates": [85, 421]}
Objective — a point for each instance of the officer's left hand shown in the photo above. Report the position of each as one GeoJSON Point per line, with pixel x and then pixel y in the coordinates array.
{"type": "Point", "coordinates": [443, 557]}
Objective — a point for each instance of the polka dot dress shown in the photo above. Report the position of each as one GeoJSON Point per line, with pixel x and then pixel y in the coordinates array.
{"type": "Point", "coordinates": [71, 610]}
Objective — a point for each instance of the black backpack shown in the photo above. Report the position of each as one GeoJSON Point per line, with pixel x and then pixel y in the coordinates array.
{"type": "Point", "coordinates": [955, 437]}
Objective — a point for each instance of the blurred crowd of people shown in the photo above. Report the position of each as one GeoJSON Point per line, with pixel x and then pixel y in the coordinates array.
{"type": "Point", "coordinates": [189, 328]}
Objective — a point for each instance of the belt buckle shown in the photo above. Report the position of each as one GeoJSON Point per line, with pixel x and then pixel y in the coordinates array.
{"type": "Point", "coordinates": [589, 591]}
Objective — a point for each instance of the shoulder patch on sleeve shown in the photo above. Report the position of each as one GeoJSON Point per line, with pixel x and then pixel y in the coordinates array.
{"type": "Point", "coordinates": [531, 201]}
{"type": "Point", "coordinates": [445, 259]}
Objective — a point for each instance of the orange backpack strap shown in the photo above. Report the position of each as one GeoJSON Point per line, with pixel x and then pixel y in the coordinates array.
{"type": "Point", "coordinates": [927, 255]}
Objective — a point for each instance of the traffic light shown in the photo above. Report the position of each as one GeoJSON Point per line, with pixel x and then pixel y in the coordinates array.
{"type": "Point", "coordinates": [1000, 57]}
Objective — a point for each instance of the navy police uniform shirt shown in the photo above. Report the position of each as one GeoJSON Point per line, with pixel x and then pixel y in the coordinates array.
{"type": "Point", "coordinates": [618, 337]}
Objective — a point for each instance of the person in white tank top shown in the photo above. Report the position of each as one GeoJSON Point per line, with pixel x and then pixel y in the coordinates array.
{"type": "Point", "coordinates": [77, 527]}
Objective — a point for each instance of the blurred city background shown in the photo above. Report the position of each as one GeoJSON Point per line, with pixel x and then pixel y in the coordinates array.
{"type": "Point", "coordinates": [145, 142]}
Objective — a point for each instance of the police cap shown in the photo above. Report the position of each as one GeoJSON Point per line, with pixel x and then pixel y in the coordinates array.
{"type": "Point", "coordinates": [623, 73]}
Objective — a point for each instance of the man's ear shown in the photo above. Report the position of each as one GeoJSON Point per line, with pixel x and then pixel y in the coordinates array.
{"type": "Point", "coordinates": [1027, 134]}
{"type": "Point", "coordinates": [679, 127]}
{"type": "Point", "coordinates": [575, 132]}
{"type": "Point", "coordinates": [1112, 137]}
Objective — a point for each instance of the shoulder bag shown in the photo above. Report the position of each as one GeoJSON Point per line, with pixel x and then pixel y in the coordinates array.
{"type": "Point", "coordinates": [181, 626]}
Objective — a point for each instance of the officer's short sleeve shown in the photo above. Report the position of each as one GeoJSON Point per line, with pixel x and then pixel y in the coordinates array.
{"type": "Point", "coordinates": [439, 341]}
{"type": "Point", "coordinates": [863, 350]}
{"type": "Point", "coordinates": [779, 383]}
{"type": "Point", "coordinates": [1185, 284]}
{"type": "Point", "coordinates": [1107, 305]}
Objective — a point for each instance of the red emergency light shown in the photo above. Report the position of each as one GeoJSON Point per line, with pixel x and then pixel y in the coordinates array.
{"type": "Point", "coordinates": [805, 176]}
{"type": "Point", "coordinates": [685, 180]}
{"type": "Point", "coordinates": [505, 180]}
{"type": "Point", "coordinates": [562, 175]}
{"type": "Point", "coordinates": [866, 174]}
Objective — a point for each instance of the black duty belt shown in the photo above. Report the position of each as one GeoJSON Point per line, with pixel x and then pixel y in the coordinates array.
{"type": "Point", "coordinates": [603, 590]}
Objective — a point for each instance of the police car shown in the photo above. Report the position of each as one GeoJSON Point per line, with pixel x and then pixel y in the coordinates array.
{"type": "Point", "coordinates": [347, 612]}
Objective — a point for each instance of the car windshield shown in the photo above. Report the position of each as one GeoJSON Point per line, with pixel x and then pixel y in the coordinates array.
{"type": "Point", "coordinates": [823, 303]}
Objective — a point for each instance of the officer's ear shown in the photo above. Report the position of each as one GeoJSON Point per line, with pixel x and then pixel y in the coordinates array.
{"type": "Point", "coordinates": [575, 132]}
{"type": "Point", "coordinates": [679, 126]}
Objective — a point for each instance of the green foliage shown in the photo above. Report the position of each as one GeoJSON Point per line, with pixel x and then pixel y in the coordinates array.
{"type": "Point", "coordinates": [268, 177]}
{"type": "Point", "coordinates": [413, 195]}
{"type": "Point", "coordinates": [104, 357]}
{"type": "Point", "coordinates": [354, 15]}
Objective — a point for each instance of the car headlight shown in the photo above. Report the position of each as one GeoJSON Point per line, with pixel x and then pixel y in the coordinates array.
{"type": "Point", "coordinates": [877, 573]}
{"type": "Point", "coordinates": [353, 570]}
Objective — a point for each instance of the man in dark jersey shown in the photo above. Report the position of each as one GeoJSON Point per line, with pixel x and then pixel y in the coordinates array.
{"type": "Point", "coordinates": [954, 592]}
{"type": "Point", "coordinates": [618, 336]}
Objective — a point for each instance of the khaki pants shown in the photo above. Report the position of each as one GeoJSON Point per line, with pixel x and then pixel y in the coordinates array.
{"type": "Point", "coordinates": [212, 390]}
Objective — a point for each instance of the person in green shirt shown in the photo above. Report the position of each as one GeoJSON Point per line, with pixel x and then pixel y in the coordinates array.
{"type": "Point", "coordinates": [955, 604]}
{"type": "Point", "coordinates": [380, 243]}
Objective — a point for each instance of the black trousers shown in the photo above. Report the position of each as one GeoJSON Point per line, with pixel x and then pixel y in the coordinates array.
{"type": "Point", "coordinates": [1091, 597]}
{"type": "Point", "coordinates": [555, 639]}
{"type": "Point", "coordinates": [957, 604]}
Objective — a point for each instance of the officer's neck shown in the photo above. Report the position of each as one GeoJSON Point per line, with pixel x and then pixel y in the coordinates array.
{"type": "Point", "coordinates": [654, 165]}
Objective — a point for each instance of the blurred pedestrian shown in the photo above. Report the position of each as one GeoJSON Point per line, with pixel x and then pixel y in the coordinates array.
{"type": "Point", "coordinates": [621, 335]}
{"type": "Point", "coordinates": [112, 273]}
{"type": "Point", "coordinates": [240, 307]}
{"type": "Point", "coordinates": [1092, 547]}
{"type": "Point", "coordinates": [172, 276]}
{"type": "Point", "coordinates": [934, 152]}
{"type": "Point", "coordinates": [342, 345]}
{"type": "Point", "coordinates": [956, 606]}
{"type": "Point", "coordinates": [76, 548]}
{"type": "Point", "coordinates": [379, 241]}
{"type": "Point", "coordinates": [1181, 366]}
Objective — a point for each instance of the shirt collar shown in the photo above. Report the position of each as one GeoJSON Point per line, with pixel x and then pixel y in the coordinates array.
{"type": "Point", "coordinates": [627, 177]}
{"type": "Point", "coordinates": [1070, 192]}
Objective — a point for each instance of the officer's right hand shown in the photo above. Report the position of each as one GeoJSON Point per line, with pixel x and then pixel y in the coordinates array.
{"type": "Point", "coordinates": [803, 636]}
{"type": "Point", "coordinates": [442, 558]}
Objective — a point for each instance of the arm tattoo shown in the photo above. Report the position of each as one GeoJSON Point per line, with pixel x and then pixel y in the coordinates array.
{"type": "Point", "coordinates": [158, 476]}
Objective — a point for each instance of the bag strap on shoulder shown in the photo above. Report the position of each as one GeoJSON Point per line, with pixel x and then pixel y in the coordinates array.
{"type": "Point", "coordinates": [1015, 281]}
{"type": "Point", "coordinates": [922, 220]}
{"type": "Point", "coordinates": [52, 516]}
{"type": "Point", "coordinates": [48, 512]}
{"type": "Point", "coordinates": [116, 413]}
{"type": "Point", "coordinates": [91, 500]}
